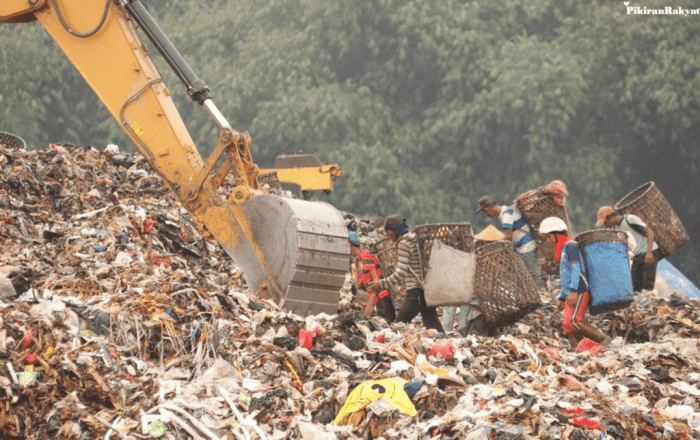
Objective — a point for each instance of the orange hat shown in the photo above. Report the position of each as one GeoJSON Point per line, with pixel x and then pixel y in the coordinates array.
{"type": "Point", "coordinates": [603, 213]}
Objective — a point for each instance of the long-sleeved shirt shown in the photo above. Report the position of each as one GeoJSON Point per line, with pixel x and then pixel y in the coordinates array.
{"type": "Point", "coordinates": [570, 273]}
{"type": "Point", "coordinates": [408, 258]}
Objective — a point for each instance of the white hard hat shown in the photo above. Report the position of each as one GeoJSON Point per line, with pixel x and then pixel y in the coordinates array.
{"type": "Point", "coordinates": [552, 224]}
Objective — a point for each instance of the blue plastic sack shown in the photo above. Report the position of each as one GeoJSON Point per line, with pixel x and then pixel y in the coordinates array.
{"type": "Point", "coordinates": [609, 276]}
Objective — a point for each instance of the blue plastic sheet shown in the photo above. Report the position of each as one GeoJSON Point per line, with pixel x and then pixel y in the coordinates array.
{"type": "Point", "coordinates": [609, 277]}
{"type": "Point", "coordinates": [677, 280]}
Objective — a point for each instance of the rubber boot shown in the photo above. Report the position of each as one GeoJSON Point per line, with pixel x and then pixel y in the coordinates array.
{"type": "Point", "coordinates": [595, 335]}
{"type": "Point", "coordinates": [574, 340]}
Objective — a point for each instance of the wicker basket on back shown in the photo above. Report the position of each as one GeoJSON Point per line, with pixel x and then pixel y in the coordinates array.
{"type": "Point", "coordinates": [8, 140]}
{"type": "Point", "coordinates": [504, 287]}
{"type": "Point", "coordinates": [455, 235]}
{"type": "Point", "coordinates": [600, 235]}
{"type": "Point", "coordinates": [647, 203]}
{"type": "Point", "coordinates": [535, 206]}
{"type": "Point", "coordinates": [386, 253]}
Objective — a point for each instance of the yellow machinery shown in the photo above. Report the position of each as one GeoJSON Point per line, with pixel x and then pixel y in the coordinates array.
{"type": "Point", "coordinates": [292, 251]}
{"type": "Point", "coordinates": [305, 171]}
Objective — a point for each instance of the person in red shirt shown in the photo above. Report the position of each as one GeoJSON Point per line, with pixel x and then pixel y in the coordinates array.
{"type": "Point", "coordinates": [367, 269]}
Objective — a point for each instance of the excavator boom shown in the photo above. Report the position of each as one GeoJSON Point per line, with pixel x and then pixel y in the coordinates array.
{"type": "Point", "coordinates": [291, 251]}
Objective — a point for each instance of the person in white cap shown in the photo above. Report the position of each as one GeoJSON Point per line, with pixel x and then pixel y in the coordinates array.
{"type": "Point", "coordinates": [574, 297]}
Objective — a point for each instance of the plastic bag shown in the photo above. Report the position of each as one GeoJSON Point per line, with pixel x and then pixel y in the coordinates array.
{"type": "Point", "coordinates": [449, 280]}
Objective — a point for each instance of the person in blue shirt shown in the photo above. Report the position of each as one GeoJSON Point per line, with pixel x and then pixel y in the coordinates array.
{"type": "Point", "coordinates": [574, 297]}
{"type": "Point", "coordinates": [515, 230]}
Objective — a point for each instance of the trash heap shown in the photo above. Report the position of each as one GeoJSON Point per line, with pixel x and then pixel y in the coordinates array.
{"type": "Point", "coordinates": [119, 320]}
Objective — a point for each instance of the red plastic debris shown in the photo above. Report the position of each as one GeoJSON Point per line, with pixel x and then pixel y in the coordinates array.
{"type": "Point", "coordinates": [569, 381]}
{"type": "Point", "coordinates": [585, 421]}
{"type": "Point", "coordinates": [306, 337]}
{"type": "Point", "coordinates": [27, 338]}
{"type": "Point", "coordinates": [30, 358]}
{"type": "Point", "coordinates": [381, 337]}
{"type": "Point", "coordinates": [443, 349]}
{"type": "Point", "coordinates": [149, 224]}
{"type": "Point", "coordinates": [577, 411]}
{"type": "Point", "coordinates": [593, 347]}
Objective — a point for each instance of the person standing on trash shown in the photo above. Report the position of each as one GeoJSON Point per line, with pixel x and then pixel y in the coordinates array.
{"type": "Point", "coordinates": [408, 266]}
{"type": "Point", "coordinates": [367, 268]}
{"type": "Point", "coordinates": [515, 230]}
{"type": "Point", "coordinates": [574, 297]}
{"type": "Point", "coordinates": [646, 253]}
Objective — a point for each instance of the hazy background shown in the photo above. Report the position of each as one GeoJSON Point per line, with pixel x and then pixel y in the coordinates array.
{"type": "Point", "coordinates": [427, 106]}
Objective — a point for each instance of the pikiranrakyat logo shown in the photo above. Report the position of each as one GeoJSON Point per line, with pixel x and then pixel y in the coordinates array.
{"type": "Point", "coordinates": [668, 10]}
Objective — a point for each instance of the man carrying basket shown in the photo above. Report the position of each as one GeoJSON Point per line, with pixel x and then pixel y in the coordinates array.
{"type": "Point", "coordinates": [408, 265]}
{"type": "Point", "coordinates": [646, 253]}
{"type": "Point", "coordinates": [515, 230]}
{"type": "Point", "coordinates": [575, 296]}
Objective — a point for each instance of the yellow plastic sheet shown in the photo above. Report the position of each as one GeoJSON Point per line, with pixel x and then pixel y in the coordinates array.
{"type": "Point", "coordinates": [368, 392]}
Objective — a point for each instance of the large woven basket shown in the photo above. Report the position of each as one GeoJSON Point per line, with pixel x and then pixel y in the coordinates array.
{"type": "Point", "coordinates": [387, 254]}
{"type": "Point", "coordinates": [545, 258]}
{"type": "Point", "coordinates": [455, 235]}
{"type": "Point", "coordinates": [600, 235]}
{"type": "Point", "coordinates": [537, 205]}
{"type": "Point", "coordinates": [607, 270]}
{"type": "Point", "coordinates": [651, 206]}
{"type": "Point", "coordinates": [11, 141]}
{"type": "Point", "coordinates": [504, 287]}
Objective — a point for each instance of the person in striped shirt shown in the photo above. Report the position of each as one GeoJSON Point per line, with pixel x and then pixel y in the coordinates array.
{"type": "Point", "coordinates": [516, 231]}
{"type": "Point", "coordinates": [408, 269]}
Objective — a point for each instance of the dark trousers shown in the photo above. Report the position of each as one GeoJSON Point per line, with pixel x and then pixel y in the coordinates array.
{"type": "Point", "coordinates": [414, 304]}
{"type": "Point", "coordinates": [385, 309]}
{"type": "Point", "coordinates": [644, 275]}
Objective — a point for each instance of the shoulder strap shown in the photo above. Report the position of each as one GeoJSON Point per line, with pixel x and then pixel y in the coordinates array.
{"type": "Point", "coordinates": [583, 264]}
{"type": "Point", "coordinates": [420, 261]}
{"type": "Point", "coordinates": [635, 228]}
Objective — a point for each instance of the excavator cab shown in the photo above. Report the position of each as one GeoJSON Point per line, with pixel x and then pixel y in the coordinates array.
{"type": "Point", "coordinates": [305, 171]}
{"type": "Point", "coordinates": [292, 251]}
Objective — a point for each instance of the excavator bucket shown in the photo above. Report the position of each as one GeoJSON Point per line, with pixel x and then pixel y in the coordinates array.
{"type": "Point", "coordinates": [305, 248]}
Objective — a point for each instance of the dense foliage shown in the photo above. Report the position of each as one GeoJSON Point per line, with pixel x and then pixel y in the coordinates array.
{"type": "Point", "coordinates": [426, 105]}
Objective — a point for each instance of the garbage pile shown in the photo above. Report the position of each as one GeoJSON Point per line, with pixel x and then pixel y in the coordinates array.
{"type": "Point", "coordinates": [118, 320]}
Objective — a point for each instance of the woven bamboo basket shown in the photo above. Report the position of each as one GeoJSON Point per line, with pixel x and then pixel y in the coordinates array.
{"type": "Point", "coordinates": [503, 285]}
{"type": "Point", "coordinates": [601, 235]}
{"type": "Point", "coordinates": [545, 258]}
{"type": "Point", "coordinates": [598, 236]}
{"type": "Point", "coordinates": [8, 140]}
{"type": "Point", "coordinates": [647, 203]}
{"type": "Point", "coordinates": [536, 206]}
{"type": "Point", "coordinates": [455, 235]}
{"type": "Point", "coordinates": [387, 254]}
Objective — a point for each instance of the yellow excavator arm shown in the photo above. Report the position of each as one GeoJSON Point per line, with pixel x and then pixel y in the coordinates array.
{"type": "Point", "coordinates": [294, 252]}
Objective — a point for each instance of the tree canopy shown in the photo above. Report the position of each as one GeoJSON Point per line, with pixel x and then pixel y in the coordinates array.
{"type": "Point", "coordinates": [427, 106]}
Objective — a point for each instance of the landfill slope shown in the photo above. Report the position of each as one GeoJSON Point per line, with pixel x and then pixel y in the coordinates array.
{"type": "Point", "coordinates": [119, 320]}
